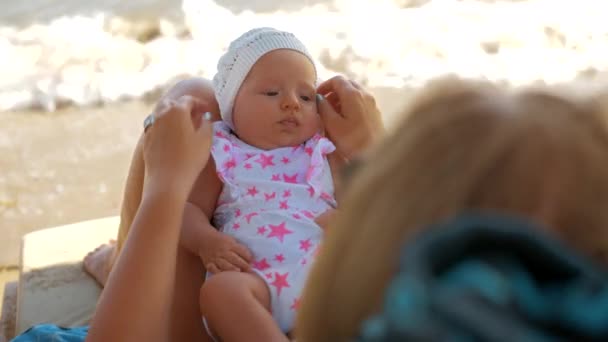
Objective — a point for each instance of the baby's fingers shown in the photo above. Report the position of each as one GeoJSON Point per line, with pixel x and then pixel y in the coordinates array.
{"type": "Point", "coordinates": [212, 268]}
{"type": "Point", "coordinates": [224, 265]}
{"type": "Point", "coordinates": [239, 262]}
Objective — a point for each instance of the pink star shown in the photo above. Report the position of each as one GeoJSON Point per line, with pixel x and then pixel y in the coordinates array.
{"type": "Point", "coordinates": [308, 214]}
{"type": "Point", "coordinates": [296, 216]}
{"type": "Point", "coordinates": [265, 161]}
{"type": "Point", "coordinates": [286, 193]}
{"type": "Point", "coordinates": [252, 191]}
{"type": "Point", "coordinates": [285, 160]}
{"type": "Point", "coordinates": [308, 151]}
{"type": "Point", "coordinates": [310, 172]}
{"type": "Point", "coordinates": [276, 178]}
{"type": "Point", "coordinates": [249, 155]}
{"type": "Point", "coordinates": [278, 231]}
{"type": "Point", "coordinates": [296, 304]}
{"type": "Point", "coordinates": [270, 196]}
{"type": "Point", "coordinates": [304, 262]}
{"type": "Point", "coordinates": [248, 217]}
{"type": "Point", "coordinates": [268, 275]}
{"type": "Point", "coordinates": [261, 230]}
{"type": "Point", "coordinates": [236, 226]}
{"type": "Point", "coordinates": [311, 191]}
{"type": "Point", "coordinates": [290, 179]}
{"type": "Point", "coordinates": [219, 134]}
{"type": "Point", "coordinates": [248, 166]}
{"type": "Point", "coordinates": [230, 164]}
{"type": "Point", "coordinates": [237, 213]}
{"type": "Point", "coordinates": [283, 205]}
{"type": "Point", "coordinates": [326, 196]}
{"type": "Point", "coordinates": [280, 281]}
{"type": "Point", "coordinates": [261, 265]}
{"type": "Point", "coordinates": [279, 258]}
{"type": "Point", "coordinates": [305, 245]}
{"type": "Point", "coordinates": [226, 147]}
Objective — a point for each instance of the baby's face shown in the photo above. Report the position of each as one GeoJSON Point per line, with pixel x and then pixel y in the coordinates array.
{"type": "Point", "coordinates": [276, 106]}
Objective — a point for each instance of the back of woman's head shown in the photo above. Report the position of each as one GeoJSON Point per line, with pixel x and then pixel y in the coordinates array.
{"type": "Point", "coordinates": [461, 146]}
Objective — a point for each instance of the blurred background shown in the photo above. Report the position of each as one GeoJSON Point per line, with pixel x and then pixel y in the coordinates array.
{"type": "Point", "coordinates": [77, 77]}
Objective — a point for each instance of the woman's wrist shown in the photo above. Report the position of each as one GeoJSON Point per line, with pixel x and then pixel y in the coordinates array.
{"type": "Point", "coordinates": [160, 189]}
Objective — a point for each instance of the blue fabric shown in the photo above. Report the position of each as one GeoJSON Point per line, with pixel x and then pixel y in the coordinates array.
{"type": "Point", "coordinates": [52, 333]}
{"type": "Point", "coordinates": [492, 278]}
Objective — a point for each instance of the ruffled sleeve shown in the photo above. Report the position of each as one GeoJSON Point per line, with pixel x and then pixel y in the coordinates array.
{"type": "Point", "coordinates": [318, 147]}
{"type": "Point", "coordinates": [222, 151]}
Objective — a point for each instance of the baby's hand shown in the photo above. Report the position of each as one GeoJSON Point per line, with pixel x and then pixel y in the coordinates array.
{"type": "Point", "coordinates": [224, 253]}
{"type": "Point", "coordinates": [324, 220]}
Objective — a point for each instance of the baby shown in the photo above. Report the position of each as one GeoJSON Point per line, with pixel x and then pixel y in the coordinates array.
{"type": "Point", "coordinates": [273, 169]}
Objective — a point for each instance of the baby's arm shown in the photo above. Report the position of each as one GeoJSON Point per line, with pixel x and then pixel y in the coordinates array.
{"type": "Point", "coordinates": [218, 251]}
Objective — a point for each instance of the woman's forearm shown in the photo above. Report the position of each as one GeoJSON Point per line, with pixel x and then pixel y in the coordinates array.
{"type": "Point", "coordinates": [135, 302]}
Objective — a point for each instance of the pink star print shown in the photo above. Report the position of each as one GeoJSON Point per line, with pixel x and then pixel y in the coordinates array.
{"type": "Point", "coordinates": [308, 214]}
{"type": "Point", "coordinates": [283, 205]}
{"type": "Point", "coordinates": [290, 179]}
{"type": "Point", "coordinates": [248, 166]}
{"type": "Point", "coordinates": [280, 281]}
{"type": "Point", "coordinates": [261, 265]}
{"type": "Point", "coordinates": [326, 196]}
{"type": "Point", "coordinates": [286, 193]}
{"type": "Point", "coordinates": [285, 160]}
{"type": "Point", "coordinates": [278, 231]}
{"type": "Point", "coordinates": [265, 161]}
{"type": "Point", "coordinates": [270, 196]}
{"type": "Point", "coordinates": [276, 178]}
{"type": "Point", "coordinates": [236, 226]}
{"type": "Point", "coordinates": [296, 304]}
{"type": "Point", "coordinates": [261, 230]}
{"type": "Point", "coordinates": [237, 213]}
{"type": "Point", "coordinates": [268, 275]}
{"type": "Point", "coordinates": [248, 217]}
{"type": "Point", "coordinates": [230, 164]}
{"type": "Point", "coordinates": [226, 147]}
{"type": "Point", "coordinates": [219, 134]}
{"type": "Point", "coordinates": [249, 155]}
{"type": "Point", "coordinates": [304, 261]}
{"type": "Point", "coordinates": [311, 191]}
{"type": "Point", "coordinates": [308, 151]}
{"type": "Point", "coordinates": [305, 245]}
{"type": "Point", "coordinates": [279, 258]}
{"type": "Point", "coordinates": [252, 191]}
{"type": "Point", "coordinates": [296, 216]}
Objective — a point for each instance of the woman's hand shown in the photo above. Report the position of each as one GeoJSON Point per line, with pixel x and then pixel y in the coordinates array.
{"type": "Point", "coordinates": [350, 116]}
{"type": "Point", "coordinates": [177, 145]}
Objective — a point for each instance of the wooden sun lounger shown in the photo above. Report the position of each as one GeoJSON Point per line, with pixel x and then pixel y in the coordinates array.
{"type": "Point", "coordinates": [52, 287]}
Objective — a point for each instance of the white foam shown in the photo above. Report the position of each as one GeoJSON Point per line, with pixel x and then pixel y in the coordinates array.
{"type": "Point", "coordinates": [94, 57]}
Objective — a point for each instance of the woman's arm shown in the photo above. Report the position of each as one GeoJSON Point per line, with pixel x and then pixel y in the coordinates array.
{"type": "Point", "coordinates": [136, 300]}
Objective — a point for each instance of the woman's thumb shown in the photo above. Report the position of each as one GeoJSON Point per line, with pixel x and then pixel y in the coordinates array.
{"type": "Point", "coordinates": [205, 124]}
{"type": "Point", "coordinates": [326, 110]}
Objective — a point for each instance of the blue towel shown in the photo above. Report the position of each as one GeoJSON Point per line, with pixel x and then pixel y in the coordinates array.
{"type": "Point", "coordinates": [491, 278]}
{"type": "Point", "coordinates": [52, 333]}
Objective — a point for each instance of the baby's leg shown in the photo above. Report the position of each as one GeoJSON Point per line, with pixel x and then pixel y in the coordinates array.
{"type": "Point", "coordinates": [236, 306]}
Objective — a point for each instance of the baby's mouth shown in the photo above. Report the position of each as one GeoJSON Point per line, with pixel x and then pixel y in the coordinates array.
{"type": "Point", "coordinates": [290, 122]}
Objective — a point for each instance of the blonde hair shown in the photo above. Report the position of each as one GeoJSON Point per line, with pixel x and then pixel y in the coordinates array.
{"type": "Point", "coordinates": [462, 145]}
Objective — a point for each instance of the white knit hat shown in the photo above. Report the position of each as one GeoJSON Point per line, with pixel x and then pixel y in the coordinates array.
{"type": "Point", "coordinates": [242, 54]}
